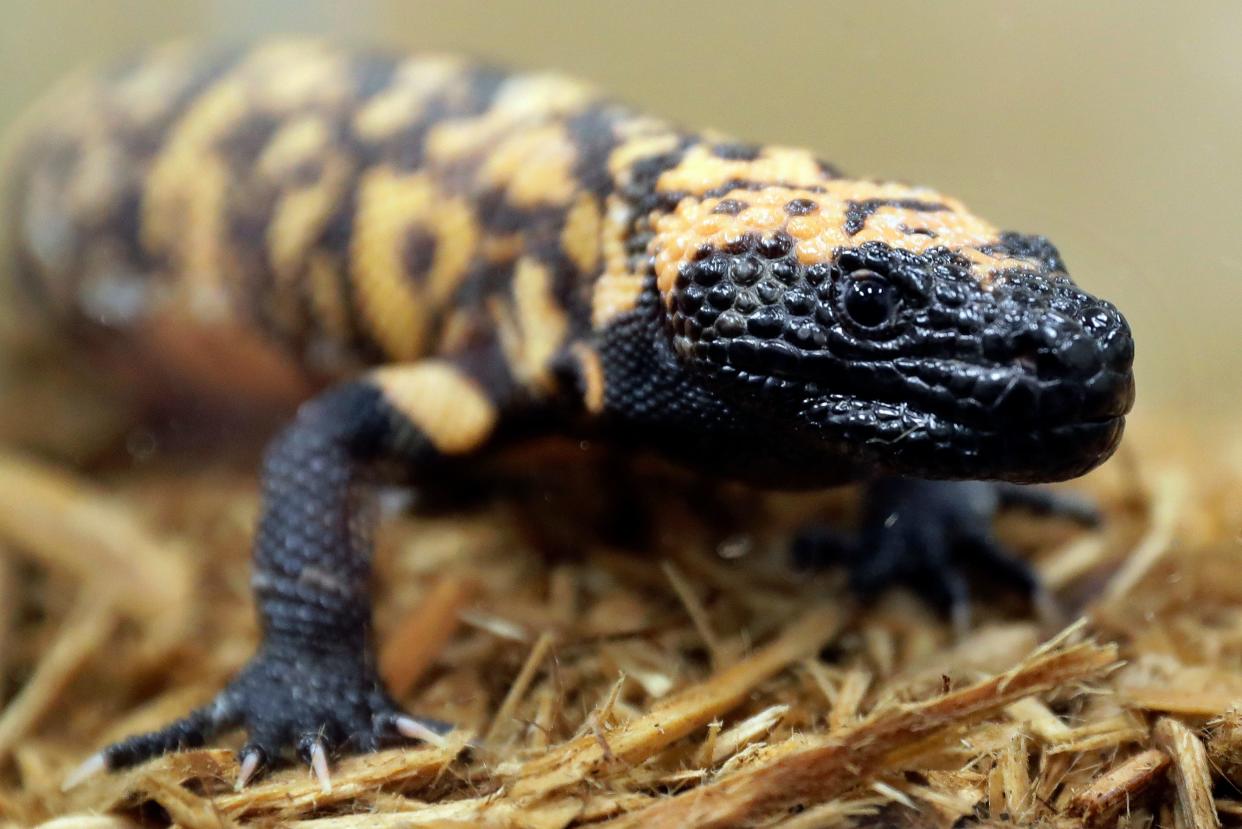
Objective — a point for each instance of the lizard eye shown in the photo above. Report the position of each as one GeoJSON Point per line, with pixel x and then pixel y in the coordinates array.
{"type": "Point", "coordinates": [869, 300]}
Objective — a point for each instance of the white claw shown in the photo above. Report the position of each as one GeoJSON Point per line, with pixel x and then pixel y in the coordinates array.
{"type": "Point", "coordinates": [415, 730]}
{"type": "Point", "coordinates": [319, 764]}
{"type": "Point", "coordinates": [249, 765]}
{"type": "Point", "coordinates": [95, 764]}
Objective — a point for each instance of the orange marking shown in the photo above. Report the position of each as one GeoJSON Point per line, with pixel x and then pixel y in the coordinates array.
{"type": "Point", "coordinates": [302, 211]}
{"type": "Point", "coordinates": [324, 285]}
{"type": "Point", "coordinates": [457, 235]}
{"type": "Point", "coordinates": [451, 409]}
{"type": "Point", "coordinates": [535, 330]}
{"type": "Point", "coordinates": [581, 236]}
{"type": "Point", "coordinates": [819, 233]}
{"type": "Point", "coordinates": [618, 288]}
{"type": "Point", "coordinates": [146, 94]}
{"type": "Point", "coordinates": [624, 157]}
{"type": "Point", "coordinates": [402, 102]}
{"type": "Point", "coordinates": [593, 379]}
{"type": "Point", "coordinates": [522, 102]}
{"type": "Point", "coordinates": [534, 166]}
{"type": "Point", "coordinates": [700, 170]}
{"type": "Point", "coordinates": [185, 198]}
{"type": "Point", "coordinates": [389, 206]}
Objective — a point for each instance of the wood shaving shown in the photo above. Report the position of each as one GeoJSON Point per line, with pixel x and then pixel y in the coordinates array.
{"type": "Point", "coordinates": [700, 682]}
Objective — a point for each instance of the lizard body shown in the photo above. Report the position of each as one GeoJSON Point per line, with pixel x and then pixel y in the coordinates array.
{"type": "Point", "coordinates": [445, 258]}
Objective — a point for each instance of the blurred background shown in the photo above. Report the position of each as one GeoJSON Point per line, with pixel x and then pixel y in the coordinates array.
{"type": "Point", "coordinates": [1113, 127]}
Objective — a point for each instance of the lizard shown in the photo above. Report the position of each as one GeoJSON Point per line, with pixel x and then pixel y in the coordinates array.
{"type": "Point", "coordinates": [442, 258]}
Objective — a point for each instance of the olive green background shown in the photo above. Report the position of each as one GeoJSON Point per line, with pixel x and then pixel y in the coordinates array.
{"type": "Point", "coordinates": [1113, 127]}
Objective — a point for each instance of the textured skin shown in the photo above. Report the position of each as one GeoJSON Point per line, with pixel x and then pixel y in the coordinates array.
{"type": "Point", "coordinates": [463, 257]}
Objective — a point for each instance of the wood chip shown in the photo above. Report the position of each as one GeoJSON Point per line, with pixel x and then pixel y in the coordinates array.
{"type": "Point", "coordinates": [82, 635]}
{"type": "Point", "coordinates": [887, 739]}
{"type": "Point", "coordinates": [410, 649]}
{"type": "Point", "coordinates": [1191, 773]}
{"type": "Point", "coordinates": [1113, 790]}
{"type": "Point", "coordinates": [674, 718]}
{"type": "Point", "coordinates": [617, 692]}
{"type": "Point", "coordinates": [64, 523]}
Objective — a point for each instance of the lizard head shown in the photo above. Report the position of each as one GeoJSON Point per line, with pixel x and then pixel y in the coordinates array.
{"type": "Point", "coordinates": [889, 324]}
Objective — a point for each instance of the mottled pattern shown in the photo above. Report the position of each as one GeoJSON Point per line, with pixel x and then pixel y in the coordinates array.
{"type": "Point", "coordinates": [360, 209]}
{"type": "Point", "coordinates": [474, 257]}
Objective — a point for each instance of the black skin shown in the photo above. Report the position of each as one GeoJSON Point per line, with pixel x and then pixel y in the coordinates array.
{"type": "Point", "coordinates": [929, 535]}
{"type": "Point", "coordinates": [763, 370]}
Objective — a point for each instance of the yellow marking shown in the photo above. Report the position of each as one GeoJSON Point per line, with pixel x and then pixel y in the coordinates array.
{"type": "Point", "coordinates": [580, 237]}
{"type": "Point", "coordinates": [542, 93]}
{"type": "Point", "coordinates": [324, 283]}
{"type": "Point", "coordinates": [185, 197]}
{"type": "Point", "coordinates": [623, 158]}
{"type": "Point", "coordinates": [820, 233]}
{"type": "Point", "coordinates": [462, 138]}
{"type": "Point", "coordinates": [187, 189]}
{"type": "Point", "coordinates": [987, 265]}
{"type": "Point", "coordinates": [298, 141]}
{"type": "Point", "coordinates": [286, 74]}
{"type": "Point", "coordinates": [302, 211]}
{"type": "Point", "coordinates": [701, 170]}
{"type": "Point", "coordinates": [534, 330]}
{"type": "Point", "coordinates": [535, 166]}
{"type": "Point", "coordinates": [618, 288]}
{"type": "Point", "coordinates": [389, 206]}
{"type": "Point", "coordinates": [593, 379]}
{"type": "Point", "coordinates": [507, 248]}
{"type": "Point", "coordinates": [145, 95]}
{"type": "Point", "coordinates": [457, 235]}
{"type": "Point", "coordinates": [461, 329]}
{"type": "Point", "coordinates": [451, 409]}
{"type": "Point", "coordinates": [401, 103]}
{"type": "Point", "coordinates": [614, 294]}
{"type": "Point", "coordinates": [522, 102]}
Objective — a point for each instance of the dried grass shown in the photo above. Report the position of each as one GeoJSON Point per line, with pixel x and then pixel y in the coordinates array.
{"type": "Point", "coordinates": [701, 683]}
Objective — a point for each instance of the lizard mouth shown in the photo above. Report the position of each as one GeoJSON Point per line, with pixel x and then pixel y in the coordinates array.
{"type": "Point", "coordinates": [986, 397]}
{"type": "Point", "coordinates": [939, 418]}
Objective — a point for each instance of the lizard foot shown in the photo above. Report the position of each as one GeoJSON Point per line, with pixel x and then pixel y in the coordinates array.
{"type": "Point", "coordinates": [929, 534]}
{"type": "Point", "coordinates": [315, 706]}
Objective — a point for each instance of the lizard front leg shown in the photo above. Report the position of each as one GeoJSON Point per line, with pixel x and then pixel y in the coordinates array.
{"type": "Point", "coordinates": [312, 686]}
{"type": "Point", "coordinates": [928, 534]}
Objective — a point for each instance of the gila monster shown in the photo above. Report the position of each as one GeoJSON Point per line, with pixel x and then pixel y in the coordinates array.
{"type": "Point", "coordinates": [443, 258]}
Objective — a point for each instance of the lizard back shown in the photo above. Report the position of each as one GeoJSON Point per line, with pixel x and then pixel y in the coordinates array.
{"type": "Point", "coordinates": [303, 205]}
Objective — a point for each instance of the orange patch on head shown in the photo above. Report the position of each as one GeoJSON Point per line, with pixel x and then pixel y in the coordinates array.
{"type": "Point", "coordinates": [835, 214]}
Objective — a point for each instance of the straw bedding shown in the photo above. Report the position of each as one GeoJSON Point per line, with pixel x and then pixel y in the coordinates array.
{"type": "Point", "coordinates": [697, 681]}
